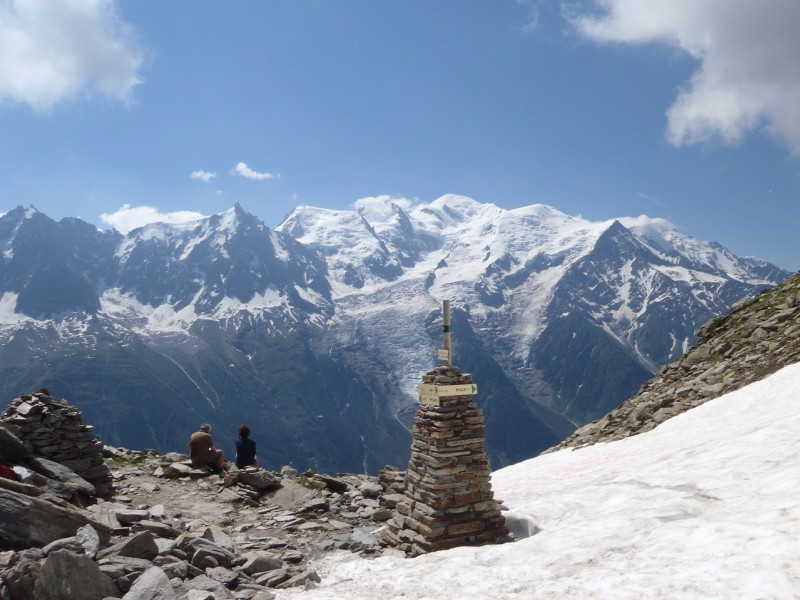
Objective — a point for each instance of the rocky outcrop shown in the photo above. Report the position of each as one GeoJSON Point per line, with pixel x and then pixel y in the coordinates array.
{"type": "Point", "coordinates": [54, 430]}
{"type": "Point", "coordinates": [757, 337]}
{"type": "Point", "coordinates": [170, 531]}
{"type": "Point", "coordinates": [31, 518]}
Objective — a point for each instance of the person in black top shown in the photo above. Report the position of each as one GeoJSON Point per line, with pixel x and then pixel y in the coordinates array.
{"type": "Point", "coordinates": [246, 449]}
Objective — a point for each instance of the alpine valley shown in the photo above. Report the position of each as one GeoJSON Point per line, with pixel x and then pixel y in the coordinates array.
{"type": "Point", "coordinates": [316, 333]}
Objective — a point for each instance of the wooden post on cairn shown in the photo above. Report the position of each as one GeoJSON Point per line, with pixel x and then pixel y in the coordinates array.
{"type": "Point", "coordinates": [448, 499]}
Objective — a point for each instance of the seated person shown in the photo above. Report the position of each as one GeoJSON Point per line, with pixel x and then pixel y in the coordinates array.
{"type": "Point", "coordinates": [246, 449]}
{"type": "Point", "coordinates": [202, 451]}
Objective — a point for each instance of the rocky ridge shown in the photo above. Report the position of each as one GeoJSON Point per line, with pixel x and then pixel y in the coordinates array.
{"type": "Point", "coordinates": [759, 336]}
{"type": "Point", "coordinates": [167, 530]}
{"type": "Point", "coordinates": [153, 332]}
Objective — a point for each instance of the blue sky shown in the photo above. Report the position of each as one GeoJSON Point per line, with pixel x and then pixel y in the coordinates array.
{"type": "Point", "coordinates": [119, 111]}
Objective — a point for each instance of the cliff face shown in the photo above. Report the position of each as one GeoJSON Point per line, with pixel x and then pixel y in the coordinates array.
{"type": "Point", "coordinates": [757, 337]}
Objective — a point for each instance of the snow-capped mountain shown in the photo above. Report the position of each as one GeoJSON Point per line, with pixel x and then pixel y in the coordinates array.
{"type": "Point", "coordinates": [169, 326]}
{"type": "Point", "coordinates": [576, 314]}
{"type": "Point", "coordinates": [316, 333]}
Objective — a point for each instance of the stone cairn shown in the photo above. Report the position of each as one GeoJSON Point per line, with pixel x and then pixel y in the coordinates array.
{"type": "Point", "coordinates": [53, 429]}
{"type": "Point", "coordinates": [448, 499]}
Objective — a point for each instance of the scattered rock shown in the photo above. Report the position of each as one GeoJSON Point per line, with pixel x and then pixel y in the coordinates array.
{"type": "Point", "coordinates": [166, 530]}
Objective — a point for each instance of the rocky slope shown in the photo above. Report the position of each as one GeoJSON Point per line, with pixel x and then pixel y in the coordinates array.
{"type": "Point", "coordinates": [157, 528]}
{"type": "Point", "coordinates": [757, 337]}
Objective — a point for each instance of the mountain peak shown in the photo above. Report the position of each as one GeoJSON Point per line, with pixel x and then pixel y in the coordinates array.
{"type": "Point", "coordinates": [21, 212]}
{"type": "Point", "coordinates": [560, 329]}
{"type": "Point", "coordinates": [756, 338]}
{"type": "Point", "coordinates": [455, 209]}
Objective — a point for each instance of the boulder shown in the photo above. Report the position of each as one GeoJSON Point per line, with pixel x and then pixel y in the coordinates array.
{"type": "Point", "coordinates": [228, 578]}
{"type": "Point", "coordinates": [36, 521]}
{"type": "Point", "coordinates": [21, 577]}
{"type": "Point", "coordinates": [69, 576]}
{"type": "Point", "coordinates": [205, 583]}
{"type": "Point", "coordinates": [370, 489]}
{"type": "Point", "coordinates": [178, 469]}
{"type": "Point", "coordinates": [260, 480]}
{"type": "Point", "coordinates": [128, 516]}
{"type": "Point", "coordinates": [139, 545]}
{"type": "Point", "coordinates": [198, 548]}
{"type": "Point", "coordinates": [260, 562]}
{"type": "Point", "coordinates": [332, 483]}
{"type": "Point", "coordinates": [219, 537]}
{"type": "Point", "coordinates": [68, 478]}
{"type": "Point", "coordinates": [153, 584]}
{"type": "Point", "coordinates": [89, 540]}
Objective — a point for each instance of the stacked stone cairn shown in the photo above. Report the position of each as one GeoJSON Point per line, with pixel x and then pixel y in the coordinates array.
{"type": "Point", "coordinates": [54, 430]}
{"type": "Point", "coordinates": [448, 499]}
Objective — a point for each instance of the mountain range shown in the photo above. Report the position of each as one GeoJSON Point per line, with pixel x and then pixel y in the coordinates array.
{"type": "Point", "coordinates": [316, 333]}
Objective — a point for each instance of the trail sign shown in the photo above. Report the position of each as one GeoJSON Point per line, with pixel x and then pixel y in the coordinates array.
{"type": "Point", "coordinates": [429, 400]}
{"type": "Point", "coordinates": [431, 393]}
{"type": "Point", "coordinates": [466, 389]}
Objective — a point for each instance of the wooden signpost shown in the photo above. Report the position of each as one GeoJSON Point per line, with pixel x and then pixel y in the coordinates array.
{"type": "Point", "coordinates": [445, 354]}
{"type": "Point", "coordinates": [430, 394]}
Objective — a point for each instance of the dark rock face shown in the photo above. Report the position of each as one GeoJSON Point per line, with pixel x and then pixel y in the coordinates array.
{"type": "Point", "coordinates": [757, 337]}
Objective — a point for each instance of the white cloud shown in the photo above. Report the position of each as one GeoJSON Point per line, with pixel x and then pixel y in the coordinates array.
{"type": "Point", "coordinates": [748, 76]}
{"type": "Point", "coordinates": [53, 49]}
{"type": "Point", "coordinates": [370, 202]}
{"type": "Point", "coordinates": [130, 217]}
{"type": "Point", "coordinates": [243, 170]}
{"type": "Point", "coordinates": [203, 175]}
